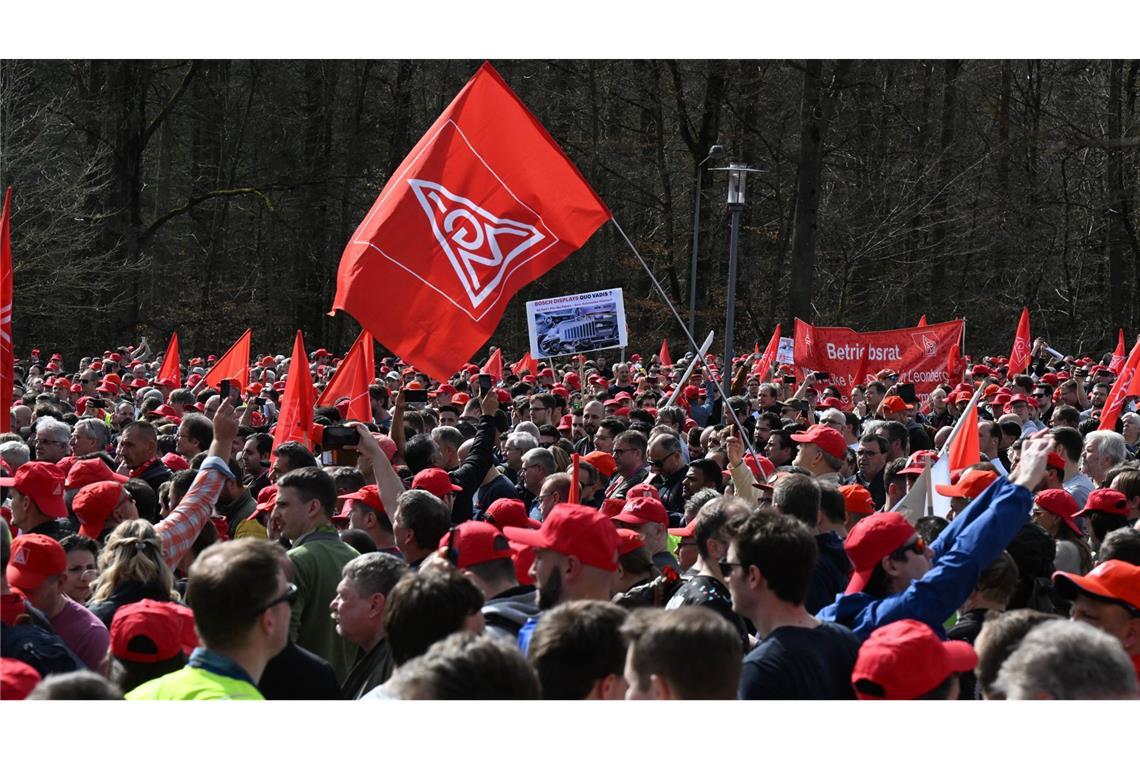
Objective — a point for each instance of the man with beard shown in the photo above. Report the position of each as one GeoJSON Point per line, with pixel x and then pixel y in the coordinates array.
{"type": "Point", "coordinates": [592, 414]}
{"type": "Point", "coordinates": [236, 503]}
{"type": "Point", "coordinates": [576, 556]}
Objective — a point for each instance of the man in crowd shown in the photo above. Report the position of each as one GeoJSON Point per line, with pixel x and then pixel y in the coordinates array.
{"type": "Point", "coordinates": [659, 656]}
{"type": "Point", "coordinates": [37, 500]}
{"type": "Point", "coordinates": [358, 611]}
{"type": "Point", "coordinates": [629, 454]}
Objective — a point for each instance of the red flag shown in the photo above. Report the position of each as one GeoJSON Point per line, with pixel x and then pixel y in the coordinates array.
{"type": "Point", "coordinates": [485, 203]}
{"type": "Point", "coordinates": [955, 365]}
{"type": "Point", "coordinates": [234, 364]}
{"type": "Point", "coordinates": [526, 365]}
{"type": "Point", "coordinates": [169, 373]}
{"type": "Point", "coordinates": [1127, 384]}
{"type": "Point", "coordinates": [7, 373]}
{"type": "Point", "coordinates": [663, 356]}
{"type": "Point", "coordinates": [295, 422]}
{"type": "Point", "coordinates": [494, 366]}
{"type": "Point", "coordinates": [764, 363]}
{"type": "Point", "coordinates": [1019, 354]}
{"type": "Point", "coordinates": [965, 449]}
{"type": "Point", "coordinates": [921, 321]}
{"type": "Point", "coordinates": [1118, 357]}
{"type": "Point", "coordinates": [352, 378]}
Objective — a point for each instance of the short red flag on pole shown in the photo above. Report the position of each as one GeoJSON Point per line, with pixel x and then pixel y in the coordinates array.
{"type": "Point", "coordinates": [169, 374]}
{"type": "Point", "coordinates": [1019, 354]}
{"type": "Point", "coordinates": [485, 203]}
{"type": "Point", "coordinates": [295, 422]}
{"type": "Point", "coordinates": [7, 357]}
{"type": "Point", "coordinates": [524, 366]}
{"type": "Point", "coordinates": [764, 363]}
{"type": "Point", "coordinates": [921, 321]}
{"type": "Point", "coordinates": [965, 449]}
{"type": "Point", "coordinates": [663, 356]}
{"type": "Point", "coordinates": [1118, 356]}
{"type": "Point", "coordinates": [494, 366]}
{"type": "Point", "coordinates": [1127, 384]}
{"type": "Point", "coordinates": [234, 364]}
{"type": "Point", "coordinates": [352, 378]}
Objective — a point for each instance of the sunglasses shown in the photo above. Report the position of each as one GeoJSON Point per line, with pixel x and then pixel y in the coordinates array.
{"type": "Point", "coordinates": [290, 596]}
{"type": "Point", "coordinates": [918, 546]}
{"type": "Point", "coordinates": [726, 567]}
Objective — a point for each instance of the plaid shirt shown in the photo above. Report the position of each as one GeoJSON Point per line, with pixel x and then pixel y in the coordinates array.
{"type": "Point", "coordinates": [181, 527]}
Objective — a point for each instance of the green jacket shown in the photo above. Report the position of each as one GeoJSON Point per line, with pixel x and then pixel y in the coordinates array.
{"type": "Point", "coordinates": [318, 559]}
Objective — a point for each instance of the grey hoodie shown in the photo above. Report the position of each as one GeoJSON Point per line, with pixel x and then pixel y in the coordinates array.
{"type": "Point", "coordinates": [505, 613]}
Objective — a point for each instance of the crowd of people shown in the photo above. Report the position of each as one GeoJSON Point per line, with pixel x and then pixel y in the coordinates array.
{"type": "Point", "coordinates": [580, 530]}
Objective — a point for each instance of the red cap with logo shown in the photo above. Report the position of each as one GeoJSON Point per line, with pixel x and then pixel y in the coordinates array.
{"type": "Point", "coordinates": [435, 481]}
{"type": "Point", "coordinates": [151, 631]}
{"type": "Point", "coordinates": [94, 504]}
{"type": "Point", "coordinates": [970, 485]}
{"type": "Point", "coordinates": [642, 510]}
{"type": "Point", "coordinates": [870, 540]}
{"type": "Point", "coordinates": [42, 482]}
{"type": "Point", "coordinates": [640, 490]}
{"type": "Point", "coordinates": [905, 660]}
{"type": "Point", "coordinates": [827, 438]}
{"type": "Point", "coordinates": [35, 558]}
{"type": "Point", "coordinates": [1107, 500]}
{"type": "Point", "coordinates": [574, 530]}
{"type": "Point", "coordinates": [475, 543]}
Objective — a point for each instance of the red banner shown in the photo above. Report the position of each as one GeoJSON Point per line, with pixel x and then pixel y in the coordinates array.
{"type": "Point", "coordinates": [485, 203]}
{"type": "Point", "coordinates": [852, 358]}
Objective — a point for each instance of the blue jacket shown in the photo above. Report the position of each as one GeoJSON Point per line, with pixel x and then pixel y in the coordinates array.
{"type": "Point", "coordinates": [971, 542]}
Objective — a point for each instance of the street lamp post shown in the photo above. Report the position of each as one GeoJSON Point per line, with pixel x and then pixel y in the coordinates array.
{"type": "Point", "coordinates": [716, 151]}
{"type": "Point", "coordinates": [737, 178]}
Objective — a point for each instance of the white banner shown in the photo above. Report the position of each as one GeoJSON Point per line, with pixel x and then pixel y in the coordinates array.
{"type": "Point", "coordinates": [577, 323]}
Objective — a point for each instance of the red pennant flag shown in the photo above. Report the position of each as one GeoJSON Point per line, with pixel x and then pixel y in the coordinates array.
{"type": "Point", "coordinates": [663, 356]}
{"type": "Point", "coordinates": [764, 363]}
{"type": "Point", "coordinates": [1118, 356]}
{"type": "Point", "coordinates": [1127, 384]}
{"type": "Point", "coordinates": [352, 378]}
{"type": "Point", "coordinates": [485, 203]}
{"type": "Point", "coordinates": [7, 357]}
{"type": "Point", "coordinates": [526, 365]}
{"type": "Point", "coordinates": [494, 366]}
{"type": "Point", "coordinates": [955, 365]}
{"type": "Point", "coordinates": [1019, 354]}
{"type": "Point", "coordinates": [922, 321]}
{"type": "Point", "coordinates": [965, 449]}
{"type": "Point", "coordinates": [295, 422]}
{"type": "Point", "coordinates": [234, 364]}
{"type": "Point", "coordinates": [169, 373]}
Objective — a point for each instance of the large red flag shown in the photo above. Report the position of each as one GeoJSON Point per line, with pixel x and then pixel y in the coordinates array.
{"type": "Point", "coordinates": [526, 365]}
{"type": "Point", "coordinates": [234, 364]}
{"type": "Point", "coordinates": [169, 373]}
{"type": "Point", "coordinates": [494, 366]}
{"type": "Point", "coordinates": [965, 449]}
{"type": "Point", "coordinates": [7, 372]}
{"type": "Point", "coordinates": [352, 378]}
{"type": "Point", "coordinates": [1118, 356]}
{"type": "Point", "coordinates": [1019, 354]}
{"type": "Point", "coordinates": [295, 422]}
{"type": "Point", "coordinates": [663, 355]}
{"type": "Point", "coordinates": [1127, 384]}
{"type": "Point", "coordinates": [764, 363]}
{"type": "Point", "coordinates": [485, 203]}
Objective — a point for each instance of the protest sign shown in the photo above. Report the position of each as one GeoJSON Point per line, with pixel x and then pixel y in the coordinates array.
{"type": "Point", "coordinates": [577, 323]}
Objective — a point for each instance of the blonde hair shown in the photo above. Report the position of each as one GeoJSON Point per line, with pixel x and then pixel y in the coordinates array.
{"type": "Point", "coordinates": [561, 458]}
{"type": "Point", "coordinates": [133, 552]}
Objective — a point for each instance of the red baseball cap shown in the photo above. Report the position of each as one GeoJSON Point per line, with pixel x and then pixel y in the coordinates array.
{"type": "Point", "coordinates": [475, 543]}
{"type": "Point", "coordinates": [151, 631]}
{"type": "Point", "coordinates": [623, 396]}
{"type": "Point", "coordinates": [628, 540]}
{"type": "Point", "coordinates": [435, 481]}
{"type": "Point", "coordinates": [687, 530]}
{"type": "Point", "coordinates": [566, 422]}
{"type": "Point", "coordinates": [35, 558]}
{"type": "Point", "coordinates": [1114, 581]}
{"type": "Point", "coordinates": [94, 504]}
{"type": "Point", "coordinates": [1055, 460]}
{"type": "Point", "coordinates": [460, 398]}
{"type": "Point", "coordinates": [612, 507]}
{"type": "Point", "coordinates": [640, 510]}
{"type": "Point", "coordinates": [970, 484]}
{"type": "Point", "coordinates": [42, 482]}
{"type": "Point", "coordinates": [369, 496]}
{"type": "Point", "coordinates": [17, 678]}
{"type": "Point", "coordinates": [84, 472]}
{"type": "Point", "coordinates": [830, 403]}
{"type": "Point", "coordinates": [857, 499]}
{"type": "Point", "coordinates": [446, 389]}
{"type": "Point", "coordinates": [918, 461]}
{"type": "Point", "coordinates": [602, 461]}
{"type": "Point", "coordinates": [175, 462]}
{"type": "Point", "coordinates": [906, 659]}
{"type": "Point", "coordinates": [894, 404]}
{"type": "Point", "coordinates": [761, 466]}
{"type": "Point", "coordinates": [1107, 500]}
{"type": "Point", "coordinates": [574, 530]}
{"type": "Point", "coordinates": [828, 439]}
{"type": "Point", "coordinates": [691, 391]}
{"type": "Point", "coordinates": [870, 540]}
{"type": "Point", "coordinates": [1059, 502]}
{"type": "Point", "coordinates": [510, 513]}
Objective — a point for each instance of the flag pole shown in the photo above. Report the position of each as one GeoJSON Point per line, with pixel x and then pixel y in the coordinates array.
{"type": "Point", "coordinates": [719, 381]}
{"type": "Point", "coordinates": [689, 370]}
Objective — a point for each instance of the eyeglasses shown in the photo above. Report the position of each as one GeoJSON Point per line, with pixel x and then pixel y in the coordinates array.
{"type": "Point", "coordinates": [918, 546]}
{"type": "Point", "coordinates": [659, 463]}
{"type": "Point", "coordinates": [621, 451]}
{"type": "Point", "coordinates": [726, 567]}
{"type": "Point", "coordinates": [289, 596]}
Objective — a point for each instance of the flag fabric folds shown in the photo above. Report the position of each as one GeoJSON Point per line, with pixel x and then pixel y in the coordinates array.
{"type": "Point", "coordinates": [169, 374]}
{"type": "Point", "coordinates": [234, 364]}
{"type": "Point", "coordinates": [352, 378]}
{"type": "Point", "coordinates": [663, 356]}
{"type": "Point", "coordinates": [1127, 384]}
{"type": "Point", "coordinates": [7, 357]}
{"type": "Point", "coordinates": [764, 363]}
{"type": "Point", "coordinates": [527, 365]}
{"type": "Point", "coordinates": [1019, 354]}
{"type": "Point", "coordinates": [295, 421]}
{"type": "Point", "coordinates": [1118, 356]}
{"type": "Point", "coordinates": [485, 203]}
{"type": "Point", "coordinates": [494, 366]}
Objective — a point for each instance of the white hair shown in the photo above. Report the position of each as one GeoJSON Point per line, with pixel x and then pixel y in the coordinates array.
{"type": "Point", "coordinates": [1111, 445]}
{"type": "Point", "coordinates": [52, 426]}
{"type": "Point", "coordinates": [15, 453]}
{"type": "Point", "coordinates": [1066, 659]}
{"type": "Point", "coordinates": [523, 441]}
{"type": "Point", "coordinates": [528, 427]}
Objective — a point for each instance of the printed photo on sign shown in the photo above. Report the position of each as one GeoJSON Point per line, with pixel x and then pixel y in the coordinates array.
{"type": "Point", "coordinates": [576, 323]}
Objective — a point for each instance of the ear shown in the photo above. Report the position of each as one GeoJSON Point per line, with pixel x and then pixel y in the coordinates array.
{"type": "Point", "coordinates": [376, 604]}
{"type": "Point", "coordinates": [659, 687]}
{"type": "Point", "coordinates": [573, 567]}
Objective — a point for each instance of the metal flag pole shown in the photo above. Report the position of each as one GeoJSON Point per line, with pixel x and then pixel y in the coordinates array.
{"type": "Point", "coordinates": [689, 370]}
{"type": "Point", "coordinates": [719, 381]}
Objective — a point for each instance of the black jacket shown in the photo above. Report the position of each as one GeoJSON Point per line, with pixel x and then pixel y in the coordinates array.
{"type": "Point", "coordinates": [127, 592]}
{"type": "Point", "coordinates": [831, 574]}
{"type": "Point", "coordinates": [469, 475]}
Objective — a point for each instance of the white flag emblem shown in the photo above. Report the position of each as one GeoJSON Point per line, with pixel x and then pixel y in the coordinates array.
{"type": "Point", "coordinates": [479, 245]}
